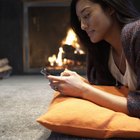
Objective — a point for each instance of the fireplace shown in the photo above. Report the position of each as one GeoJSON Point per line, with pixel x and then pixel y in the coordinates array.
{"type": "Point", "coordinates": [46, 28]}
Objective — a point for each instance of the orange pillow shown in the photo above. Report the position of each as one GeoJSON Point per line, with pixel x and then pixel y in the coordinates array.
{"type": "Point", "coordinates": [80, 117]}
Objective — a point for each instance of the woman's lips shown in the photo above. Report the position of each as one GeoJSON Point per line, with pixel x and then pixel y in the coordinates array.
{"type": "Point", "coordinates": [90, 33]}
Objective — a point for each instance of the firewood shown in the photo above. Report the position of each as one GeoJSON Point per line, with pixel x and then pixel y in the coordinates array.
{"type": "Point", "coordinates": [3, 62]}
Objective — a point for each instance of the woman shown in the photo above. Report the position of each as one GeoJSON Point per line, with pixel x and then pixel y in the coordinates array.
{"type": "Point", "coordinates": [110, 30]}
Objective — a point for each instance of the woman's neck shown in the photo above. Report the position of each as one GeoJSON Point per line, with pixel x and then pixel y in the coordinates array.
{"type": "Point", "coordinates": [117, 49]}
{"type": "Point", "coordinates": [114, 38]}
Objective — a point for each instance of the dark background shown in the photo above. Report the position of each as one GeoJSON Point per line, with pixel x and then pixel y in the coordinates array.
{"type": "Point", "coordinates": [11, 32]}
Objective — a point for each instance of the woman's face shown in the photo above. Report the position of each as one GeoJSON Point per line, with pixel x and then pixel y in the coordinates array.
{"type": "Point", "coordinates": [94, 20]}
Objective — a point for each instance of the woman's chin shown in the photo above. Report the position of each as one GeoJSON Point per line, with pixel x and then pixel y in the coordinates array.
{"type": "Point", "coordinates": [94, 40]}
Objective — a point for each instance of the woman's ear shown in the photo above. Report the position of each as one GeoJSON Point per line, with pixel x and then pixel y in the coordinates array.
{"type": "Point", "coordinates": [111, 11]}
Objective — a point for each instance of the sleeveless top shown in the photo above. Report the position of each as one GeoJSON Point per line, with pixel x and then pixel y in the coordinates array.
{"type": "Point", "coordinates": [129, 77]}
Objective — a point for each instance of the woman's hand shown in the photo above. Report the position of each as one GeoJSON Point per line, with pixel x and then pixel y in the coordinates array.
{"type": "Point", "coordinates": [69, 83]}
{"type": "Point", "coordinates": [67, 72]}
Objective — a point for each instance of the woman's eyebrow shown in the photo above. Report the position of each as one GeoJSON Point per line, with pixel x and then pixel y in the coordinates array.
{"type": "Point", "coordinates": [82, 11]}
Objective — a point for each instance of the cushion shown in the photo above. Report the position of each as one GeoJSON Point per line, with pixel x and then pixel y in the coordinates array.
{"type": "Point", "coordinates": [79, 117]}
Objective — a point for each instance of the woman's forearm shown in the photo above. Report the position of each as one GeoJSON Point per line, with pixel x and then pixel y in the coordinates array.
{"type": "Point", "coordinates": [105, 99]}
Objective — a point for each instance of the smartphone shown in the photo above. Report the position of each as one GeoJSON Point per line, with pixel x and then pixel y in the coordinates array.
{"type": "Point", "coordinates": [44, 72]}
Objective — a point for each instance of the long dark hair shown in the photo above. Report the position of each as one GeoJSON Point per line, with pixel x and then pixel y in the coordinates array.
{"type": "Point", "coordinates": [98, 53]}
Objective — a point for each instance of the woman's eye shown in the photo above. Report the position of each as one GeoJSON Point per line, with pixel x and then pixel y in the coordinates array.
{"type": "Point", "coordinates": [86, 16]}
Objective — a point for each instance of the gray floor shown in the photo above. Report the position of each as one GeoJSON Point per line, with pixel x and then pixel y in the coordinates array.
{"type": "Point", "coordinates": [22, 100]}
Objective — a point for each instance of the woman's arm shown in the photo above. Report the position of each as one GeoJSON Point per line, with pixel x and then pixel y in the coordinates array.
{"type": "Point", "coordinates": [131, 44]}
{"type": "Point", "coordinates": [105, 99]}
{"type": "Point", "coordinates": [73, 85]}
{"type": "Point", "coordinates": [133, 101]}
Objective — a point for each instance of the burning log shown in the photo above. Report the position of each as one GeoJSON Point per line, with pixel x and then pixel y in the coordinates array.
{"type": "Point", "coordinates": [70, 54]}
{"type": "Point", "coordinates": [5, 69]}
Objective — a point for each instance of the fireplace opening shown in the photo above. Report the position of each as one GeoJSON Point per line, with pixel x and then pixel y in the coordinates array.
{"type": "Point", "coordinates": [71, 55]}
{"type": "Point", "coordinates": [48, 40]}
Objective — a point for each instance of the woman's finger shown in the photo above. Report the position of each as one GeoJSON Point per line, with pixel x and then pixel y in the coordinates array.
{"type": "Point", "coordinates": [56, 78]}
{"type": "Point", "coordinates": [67, 72]}
{"type": "Point", "coordinates": [54, 82]}
{"type": "Point", "coordinates": [56, 87]}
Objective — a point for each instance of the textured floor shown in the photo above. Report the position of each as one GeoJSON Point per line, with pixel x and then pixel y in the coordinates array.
{"type": "Point", "coordinates": [22, 100]}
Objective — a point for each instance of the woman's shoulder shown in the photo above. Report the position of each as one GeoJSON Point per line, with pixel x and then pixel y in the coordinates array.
{"type": "Point", "coordinates": [129, 32]}
{"type": "Point", "coordinates": [131, 28]}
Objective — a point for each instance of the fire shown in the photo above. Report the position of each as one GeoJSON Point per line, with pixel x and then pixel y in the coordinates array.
{"type": "Point", "coordinates": [59, 60]}
{"type": "Point", "coordinates": [70, 40]}
{"type": "Point", "coordinates": [52, 60]}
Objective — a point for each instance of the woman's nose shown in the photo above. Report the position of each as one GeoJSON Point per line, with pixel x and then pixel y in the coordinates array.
{"type": "Point", "coordinates": [84, 25]}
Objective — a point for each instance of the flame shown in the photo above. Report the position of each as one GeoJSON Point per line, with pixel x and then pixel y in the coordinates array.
{"type": "Point", "coordinates": [71, 40]}
{"type": "Point", "coordinates": [52, 60]}
{"type": "Point", "coordinates": [59, 59]}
